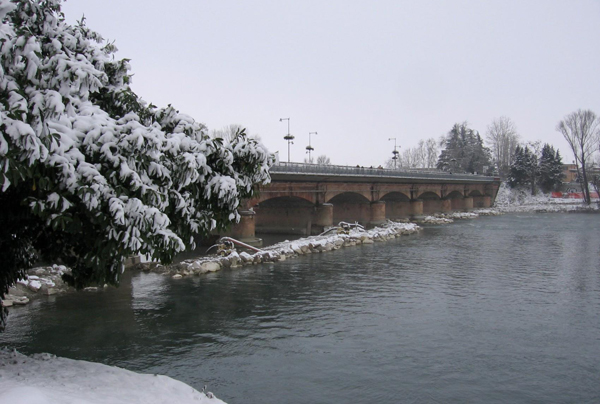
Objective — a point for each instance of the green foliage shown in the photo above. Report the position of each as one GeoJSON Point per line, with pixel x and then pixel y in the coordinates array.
{"type": "Point", "coordinates": [550, 169]}
{"type": "Point", "coordinates": [526, 170]}
{"type": "Point", "coordinates": [464, 152]}
{"type": "Point", "coordinates": [89, 172]}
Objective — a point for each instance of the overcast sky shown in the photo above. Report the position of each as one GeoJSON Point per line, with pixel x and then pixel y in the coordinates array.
{"type": "Point", "coordinates": [359, 72]}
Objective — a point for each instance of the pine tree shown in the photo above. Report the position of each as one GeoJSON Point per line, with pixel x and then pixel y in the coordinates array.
{"type": "Point", "coordinates": [518, 169]}
{"type": "Point", "coordinates": [464, 151]}
{"type": "Point", "coordinates": [550, 168]}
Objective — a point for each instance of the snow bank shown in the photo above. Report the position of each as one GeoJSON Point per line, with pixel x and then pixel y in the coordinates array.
{"type": "Point", "coordinates": [47, 379]}
{"type": "Point", "coordinates": [520, 200]}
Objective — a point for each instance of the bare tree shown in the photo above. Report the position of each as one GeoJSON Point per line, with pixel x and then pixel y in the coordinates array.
{"type": "Point", "coordinates": [503, 139]}
{"type": "Point", "coordinates": [432, 152]}
{"type": "Point", "coordinates": [581, 129]}
{"type": "Point", "coordinates": [323, 160]}
{"type": "Point", "coordinates": [227, 132]}
{"type": "Point", "coordinates": [408, 158]}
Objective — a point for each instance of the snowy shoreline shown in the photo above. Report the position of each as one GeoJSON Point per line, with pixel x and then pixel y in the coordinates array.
{"type": "Point", "coordinates": [47, 379]}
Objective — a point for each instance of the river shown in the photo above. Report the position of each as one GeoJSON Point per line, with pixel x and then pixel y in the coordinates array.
{"type": "Point", "coordinates": [493, 310]}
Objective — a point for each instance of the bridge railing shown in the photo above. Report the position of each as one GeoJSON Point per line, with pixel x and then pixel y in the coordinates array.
{"type": "Point", "coordinates": [305, 168]}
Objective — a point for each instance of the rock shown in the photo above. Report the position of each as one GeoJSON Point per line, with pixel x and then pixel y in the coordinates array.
{"type": "Point", "coordinates": [34, 285]}
{"type": "Point", "coordinates": [210, 266]}
{"type": "Point", "coordinates": [19, 300]}
{"type": "Point", "coordinates": [246, 257]}
{"type": "Point", "coordinates": [368, 241]}
{"type": "Point", "coordinates": [177, 276]}
{"type": "Point", "coordinates": [50, 291]}
{"type": "Point", "coordinates": [7, 303]}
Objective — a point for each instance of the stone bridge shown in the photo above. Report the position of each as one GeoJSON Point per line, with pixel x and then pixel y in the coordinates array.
{"type": "Point", "coordinates": [306, 198]}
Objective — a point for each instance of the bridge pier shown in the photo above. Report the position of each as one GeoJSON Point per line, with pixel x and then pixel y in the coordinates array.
{"type": "Point", "coordinates": [447, 205]}
{"type": "Point", "coordinates": [377, 213]}
{"type": "Point", "coordinates": [416, 207]}
{"type": "Point", "coordinates": [397, 209]}
{"type": "Point", "coordinates": [468, 203]}
{"type": "Point", "coordinates": [323, 218]}
{"type": "Point", "coordinates": [246, 228]}
{"type": "Point", "coordinates": [482, 201]}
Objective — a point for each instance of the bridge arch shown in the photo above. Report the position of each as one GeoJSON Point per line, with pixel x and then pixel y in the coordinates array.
{"type": "Point", "coordinates": [284, 214]}
{"type": "Point", "coordinates": [351, 207]}
{"type": "Point", "coordinates": [432, 203]}
{"type": "Point", "coordinates": [429, 195]}
{"type": "Point", "coordinates": [456, 200]}
{"type": "Point", "coordinates": [397, 205]}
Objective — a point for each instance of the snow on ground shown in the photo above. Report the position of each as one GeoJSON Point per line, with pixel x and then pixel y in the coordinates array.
{"type": "Point", "coordinates": [520, 200]}
{"type": "Point", "coordinates": [47, 379]}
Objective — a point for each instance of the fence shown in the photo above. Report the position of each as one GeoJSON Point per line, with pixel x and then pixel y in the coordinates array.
{"type": "Point", "coordinates": [357, 171]}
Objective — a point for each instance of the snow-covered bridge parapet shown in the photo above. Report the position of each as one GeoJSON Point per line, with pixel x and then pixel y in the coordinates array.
{"type": "Point", "coordinates": [305, 198]}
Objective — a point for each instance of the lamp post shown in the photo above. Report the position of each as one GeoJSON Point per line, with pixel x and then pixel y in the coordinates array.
{"type": "Point", "coordinates": [395, 152]}
{"type": "Point", "coordinates": [309, 148]}
{"type": "Point", "coordinates": [288, 137]}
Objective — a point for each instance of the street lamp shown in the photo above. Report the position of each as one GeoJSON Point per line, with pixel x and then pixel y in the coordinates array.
{"type": "Point", "coordinates": [395, 152]}
{"type": "Point", "coordinates": [309, 148]}
{"type": "Point", "coordinates": [288, 137]}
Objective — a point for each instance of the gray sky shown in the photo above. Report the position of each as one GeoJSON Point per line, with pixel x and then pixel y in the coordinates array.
{"type": "Point", "coordinates": [359, 72]}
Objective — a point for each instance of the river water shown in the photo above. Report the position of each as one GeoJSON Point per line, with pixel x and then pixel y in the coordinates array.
{"type": "Point", "coordinates": [493, 310]}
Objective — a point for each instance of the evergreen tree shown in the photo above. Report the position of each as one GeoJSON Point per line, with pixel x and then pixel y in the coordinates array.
{"type": "Point", "coordinates": [92, 174]}
{"type": "Point", "coordinates": [518, 170]}
{"type": "Point", "coordinates": [524, 169]}
{"type": "Point", "coordinates": [464, 151]}
{"type": "Point", "coordinates": [550, 169]}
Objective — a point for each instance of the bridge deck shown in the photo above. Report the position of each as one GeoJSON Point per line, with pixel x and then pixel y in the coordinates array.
{"type": "Point", "coordinates": [330, 173]}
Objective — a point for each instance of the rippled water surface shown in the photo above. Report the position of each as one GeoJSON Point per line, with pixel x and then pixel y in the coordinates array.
{"type": "Point", "coordinates": [493, 310]}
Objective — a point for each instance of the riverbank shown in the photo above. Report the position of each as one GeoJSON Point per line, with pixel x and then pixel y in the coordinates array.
{"type": "Point", "coordinates": [520, 200]}
{"type": "Point", "coordinates": [47, 379]}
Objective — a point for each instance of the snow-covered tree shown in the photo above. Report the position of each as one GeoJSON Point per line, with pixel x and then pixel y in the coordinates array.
{"type": "Point", "coordinates": [550, 169]}
{"type": "Point", "coordinates": [89, 172]}
{"type": "Point", "coordinates": [464, 151]}
{"type": "Point", "coordinates": [524, 169]}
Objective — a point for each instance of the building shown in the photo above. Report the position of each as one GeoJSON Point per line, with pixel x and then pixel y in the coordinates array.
{"type": "Point", "coordinates": [570, 172]}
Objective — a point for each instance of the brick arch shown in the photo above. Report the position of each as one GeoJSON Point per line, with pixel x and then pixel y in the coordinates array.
{"type": "Point", "coordinates": [429, 195]}
{"type": "Point", "coordinates": [276, 194]}
{"type": "Point", "coordinates": [475, 192]}
{"type": "Point", "coordinates": [294, 214]}
{"type": "Point", "coordinates": [397, 204]}
{"type": "Point", "coordinates": [293, 201]}
{"type": "Point", "coordinates": [396, 196]}
{"type": "Point", "coordinates": [351, 207]}
{"type": "Point", "coordinates": [349, 197]}
{"type": "Point", "coordinates": [455, 195]}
